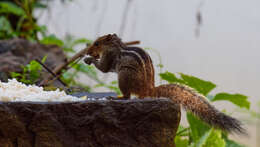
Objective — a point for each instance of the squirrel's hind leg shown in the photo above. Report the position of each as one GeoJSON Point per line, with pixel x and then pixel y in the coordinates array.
{"type": "Point", "coordinates": [130, 82]}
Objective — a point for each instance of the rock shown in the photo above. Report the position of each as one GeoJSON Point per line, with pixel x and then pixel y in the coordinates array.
{"type": "Point", "coordinates": [90, 123]}
{"type": "Point", "coordinates": [17, 52]}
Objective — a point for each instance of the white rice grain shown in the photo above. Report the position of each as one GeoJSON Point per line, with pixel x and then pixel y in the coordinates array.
{"type": "Point", "coordinates": [17, 91]}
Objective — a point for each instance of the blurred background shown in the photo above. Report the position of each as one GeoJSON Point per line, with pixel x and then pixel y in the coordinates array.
{"type": "Point", "coordinates": [215, 40]}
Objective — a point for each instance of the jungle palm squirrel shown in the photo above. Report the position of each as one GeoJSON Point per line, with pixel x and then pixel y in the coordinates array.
{"type": "Point", "coordinates": [136, 76]}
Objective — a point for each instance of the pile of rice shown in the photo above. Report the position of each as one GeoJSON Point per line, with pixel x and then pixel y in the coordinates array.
{"type": "Point", "coordinates": [16, 91]}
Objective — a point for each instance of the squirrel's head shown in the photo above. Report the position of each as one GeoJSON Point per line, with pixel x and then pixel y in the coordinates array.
{"type": "Point", "coordinates": [103, 43]}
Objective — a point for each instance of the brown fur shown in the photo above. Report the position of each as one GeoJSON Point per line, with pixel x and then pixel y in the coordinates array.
{"type": "Point", "coordinates": [137, 77]}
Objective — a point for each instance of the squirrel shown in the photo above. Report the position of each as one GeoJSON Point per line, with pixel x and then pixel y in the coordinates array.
{"type": "Point", "coordinates": [136, 76]}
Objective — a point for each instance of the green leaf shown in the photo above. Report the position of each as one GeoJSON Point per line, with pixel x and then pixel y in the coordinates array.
{"type": "Point", "coordinates": [114, 88]}
{"type": "Point", "coordinates": [41, 29]}
{"type": "Point", "coordinates": [237, 99]}
{"type": "Point", "coordinates": [81, 41]}
{"type": "Point", "coordinates": [212, 138]}
{"type": "Point", "coordinates": [40, 5]}
{"type": "Point", "coordinates": [5, 26]}
{"type": "Point", "coordinates": [87, 69]}
{"type": "Point", "coordinates": [202, 86]}
{"type": "Point", "coordinates": [231, 143]}
{"type": "Point", "coordinates": [52, 39]}
{"type": "Point", "coordinates": [34, 66]}
{"type": "Point", "coordinates": [34, 69]}
{"type": "Point", "coordinates": [198, 128]}
{"type": "Point", "coordinates": [183, 131]}
{"type": "Point", "coordinates": [70, 42]}
{"type": "Point", "coordinates": [215, 139]}
{"type": "Point", "coordinates": [203, 139]}
{"type": "Point", "coordinates": [181, 142]}
{"type": "Point", "coordinates": [15, 75]}
{"type": "Point", "coordinates": [170, 77]}
{"type": "Point", "coordinates": [8, 7]}
{"type": "Point", "coordinates": [69, 50]}
{"type": "Point", "coordinates": [68, 78]}
{"type": "Point", "coordinates": [114, 83]}
{"type": "Point", "coordinates": [44, 59]}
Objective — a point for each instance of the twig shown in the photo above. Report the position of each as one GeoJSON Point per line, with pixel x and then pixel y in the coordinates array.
{"type": "Point", "coordinates": [58, 69]}
{"type": "Point", "coordinates": [58, 76]}
{"type": "Point", "coordinates": [50, 71]}
{"type": "Point", "coordinates": [132, 42]}
{"type": "Point", "coordinates": [52, 80]}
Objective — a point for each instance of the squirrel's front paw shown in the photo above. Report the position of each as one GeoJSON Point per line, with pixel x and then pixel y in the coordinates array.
{"type": "Point", "coordinates": [89, 60]}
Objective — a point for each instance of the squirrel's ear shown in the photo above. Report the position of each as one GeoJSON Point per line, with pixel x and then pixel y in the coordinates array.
{"type": "Point", "coordinates": [114, 35]}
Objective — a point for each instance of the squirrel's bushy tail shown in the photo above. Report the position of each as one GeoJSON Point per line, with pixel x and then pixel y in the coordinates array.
{"type": "Point", "coordinates": [198, 105]}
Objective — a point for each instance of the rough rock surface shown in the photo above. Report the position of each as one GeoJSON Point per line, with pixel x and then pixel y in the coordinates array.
{"type": "Point", "coordinates": [91, 123]}
{"type": "Point", "coordinates": [17, 52]}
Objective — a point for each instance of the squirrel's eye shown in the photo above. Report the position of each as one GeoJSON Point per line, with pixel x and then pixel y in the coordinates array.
{"type": "Point", "coordinates": [96, 44]}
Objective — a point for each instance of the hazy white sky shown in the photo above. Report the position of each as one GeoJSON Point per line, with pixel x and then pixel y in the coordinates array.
{"type": "Point", "coordinates": [227, 51]}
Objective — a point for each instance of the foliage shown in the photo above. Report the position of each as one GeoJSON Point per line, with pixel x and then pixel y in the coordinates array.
{"type": "Point", "coordinates": [52, 39]}
{"type": "Point", "coordinates": [17, 20]}
{"type": "Point", "coordinates": [31, 72]}
{"type": "Point", "coordinates": [198, 134]}
{"type": "Point", "coordinates": [236, 99]}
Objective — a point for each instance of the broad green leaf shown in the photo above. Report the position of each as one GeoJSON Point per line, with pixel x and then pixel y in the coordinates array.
{"type": "Point", "coordinates": [81, 41]}
{"type": "Point", "coordinates": [198, 128]}
{"type": "Point", "coordinates": [52, 39]}
{"type": "Point", "coordinates": [181, 142]}
{"type": "Point", "coordinates": [8, 7]}
{"type": "Point", "coordinates": [69, 50]}
{"type": "Point", "coordinates": [183, 131]}
{"type": "Point", "coordinates": [15, 75]}
{"type": "Point", "coordinates": [231, 143]}
{"type": "Point", "coordinates": [87, 69]}
{"type": "Point", "coordinates": [34, 66]}
{"type": "Point", "coordinates": [237, 99]}
{"type": "Point", "coordinates": [42, 29]}
{"type": "Point", "coordinates": [214, 139]}
{"type": "Point", "coordinates": [203, 139]}
{"type": "Point", "coordinates": [170, 77]}
{"type": "Point", "coordinates": [5, 25]}
{"type": "Point", "coordinates": [34, 70]}
{"type": "Point", "coordinates": [202, 86]}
